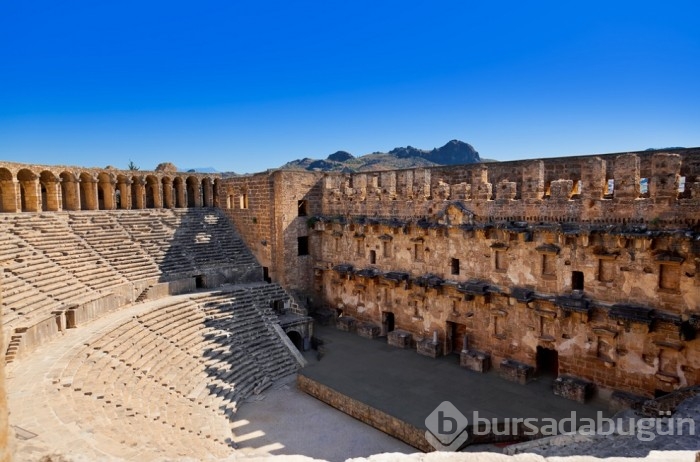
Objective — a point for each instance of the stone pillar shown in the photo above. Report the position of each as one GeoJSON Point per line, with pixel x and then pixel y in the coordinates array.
{"type": "Point", "coordinates": [421, 183]}
{"type": "Point", "coordinates": [108, 194]}
{"type": "Point", "coordinates": [9, 196]}
{"type": "Point", "coordinates": [180, 193]}
{"type": "Point", "coordinates": [208, 192]}
{"type": "Point", "coordinates": [70, 194]}
{"type": "Point", "coordinates": [533, 181]}
{"type": "Point", "coordinates": [404, 184]}
{"type": "Point", "coordinates": [52, 201]}
{"type": "Point", "coordinates": [481, 188]}
{"type": "Point", "coordinates": [359, 185]}
{"type": "Point", "coordinates": [138, 193]}
{"type": "Point", "coordinates": [665, 175]}
{"type": "Point", "coordinates": [593, 181]}
{"type": "Point", "coordinates": [167, 193]}
{"type": "Point", "coordinates": [626, 175]}
{"type": "Point", "coordinates": [388, 184]}
{"type": "Point", "coordinates": [88, 198]}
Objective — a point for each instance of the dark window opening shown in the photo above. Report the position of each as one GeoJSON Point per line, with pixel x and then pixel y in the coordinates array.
{"type": "Point", "coordinates": [266, 274]}
{"type": "Point", "coordinates": [301, 207]}
{"type": "Point", "coordinates": [199, 282]}
{"type": "Point", "coordinates": [278, 306]}
{"type": "Point", "coordinates": [577, 280]}
{"type": "Point", "coordinates": [372, 257]}
{"type": "Point", "coordinates": [455, 265]}
{"type": "Point", "coordinates": [303, 245]}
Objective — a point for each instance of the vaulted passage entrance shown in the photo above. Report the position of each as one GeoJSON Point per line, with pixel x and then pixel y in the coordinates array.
{"type": "Point", "coordinates": [296, 339]}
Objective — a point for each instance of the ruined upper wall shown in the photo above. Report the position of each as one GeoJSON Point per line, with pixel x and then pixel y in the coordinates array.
{"type": "Point", "coordinates": [663, 187]}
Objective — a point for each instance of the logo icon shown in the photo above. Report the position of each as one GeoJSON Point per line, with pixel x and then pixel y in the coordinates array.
{"type": "Point", "coordinates": [447, 428]}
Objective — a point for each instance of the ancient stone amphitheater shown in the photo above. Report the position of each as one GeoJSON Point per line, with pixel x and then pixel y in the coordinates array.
{"type": "Point", "coordinates": [139, 310]}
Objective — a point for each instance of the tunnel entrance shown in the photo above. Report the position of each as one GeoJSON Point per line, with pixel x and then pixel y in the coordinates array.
{"type": "Point", "coordinates": [296, 339]}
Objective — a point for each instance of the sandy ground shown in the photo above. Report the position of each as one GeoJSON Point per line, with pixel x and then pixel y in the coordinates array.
{"type": "Point", "coordinates": [284, 420]}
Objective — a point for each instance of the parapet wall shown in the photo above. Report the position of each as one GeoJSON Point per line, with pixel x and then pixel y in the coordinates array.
{"type": "Point", "coordinates": [663, 187]}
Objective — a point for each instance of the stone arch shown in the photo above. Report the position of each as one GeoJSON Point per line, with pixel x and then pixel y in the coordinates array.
{"type": "Point", "coordinates": [105, 191]}
{"type": "Point", "coordinates": [296, 338]}
{"type": "Point", "coordinates": [179, 188]}
{"type": "Point", "coordinates": [69, 191]}
{"type": "Point", "coordinates": [138, 192]}
{"type": "Point", "coordinates": [28, 191]}
{"type": "Point", "coordinates": [50, 199]}
{"type": "Point", "coordinates": [168, 192]}
{"type": "Point", "coordinates": [152, 192]}
{"type": "Point", "coordinates": [88, 192]}
{"type": "Point", "coordinates": [8, 192]}
{"type": "Point", "coordinates": [193, 192]}
{"type": "Point", "coordinates": [122, 195]}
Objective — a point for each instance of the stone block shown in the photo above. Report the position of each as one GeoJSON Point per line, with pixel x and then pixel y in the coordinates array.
{"type": "Point", "coordinates": [400, 339]}
{"type": "Point", "coordinates": [516, 371]}
{"type": "Point", "coordinates": [346, 323]}
{"type": "Point", "coordinates": [573, 388]}
{"type": "Point", "coordinates": [560, 190]}
{"type": "Point", "coordinates": [429, 348]}
{"type": "Point", "coordinates": [475, 360]}
{"type": "Point", "coordinates": [368, 330]}
{"type": "Point", "coordinates": [324, 317]}
{"type": "Point", "coordinates": [621, 400]}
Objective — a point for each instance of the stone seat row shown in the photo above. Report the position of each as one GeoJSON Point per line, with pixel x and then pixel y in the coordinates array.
{"type": "Point", "coordinates": [166, 367]}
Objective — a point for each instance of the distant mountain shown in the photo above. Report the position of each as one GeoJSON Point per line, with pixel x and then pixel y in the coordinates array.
{"type": "Point", "coordinates": [200, 170]}
{"type": "Point", "coordinates": [454, 152]}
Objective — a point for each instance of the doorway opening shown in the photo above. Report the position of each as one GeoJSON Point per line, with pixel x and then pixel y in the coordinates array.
{"type": "Point", "coordinates": [456, 334]}
{"type": "Point", "coordinates": [387, 322]}
{"type": "Point", "coordinates": [547, 362]}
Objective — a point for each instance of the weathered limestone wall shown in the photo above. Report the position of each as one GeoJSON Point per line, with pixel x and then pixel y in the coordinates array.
{"type": "Point", "coordinates": [576, 259]}
{"type": "Point", "coordinates": [249, 203]}
{"type": "Point", "coordinates": [271, 211]}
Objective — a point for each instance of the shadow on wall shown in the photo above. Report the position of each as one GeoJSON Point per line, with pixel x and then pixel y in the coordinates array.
{"type": "Point", "coordinates": [204, 248]}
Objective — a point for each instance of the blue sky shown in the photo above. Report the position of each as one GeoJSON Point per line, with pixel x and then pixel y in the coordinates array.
{"type": "Point", "coordinates": [246, 86]}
